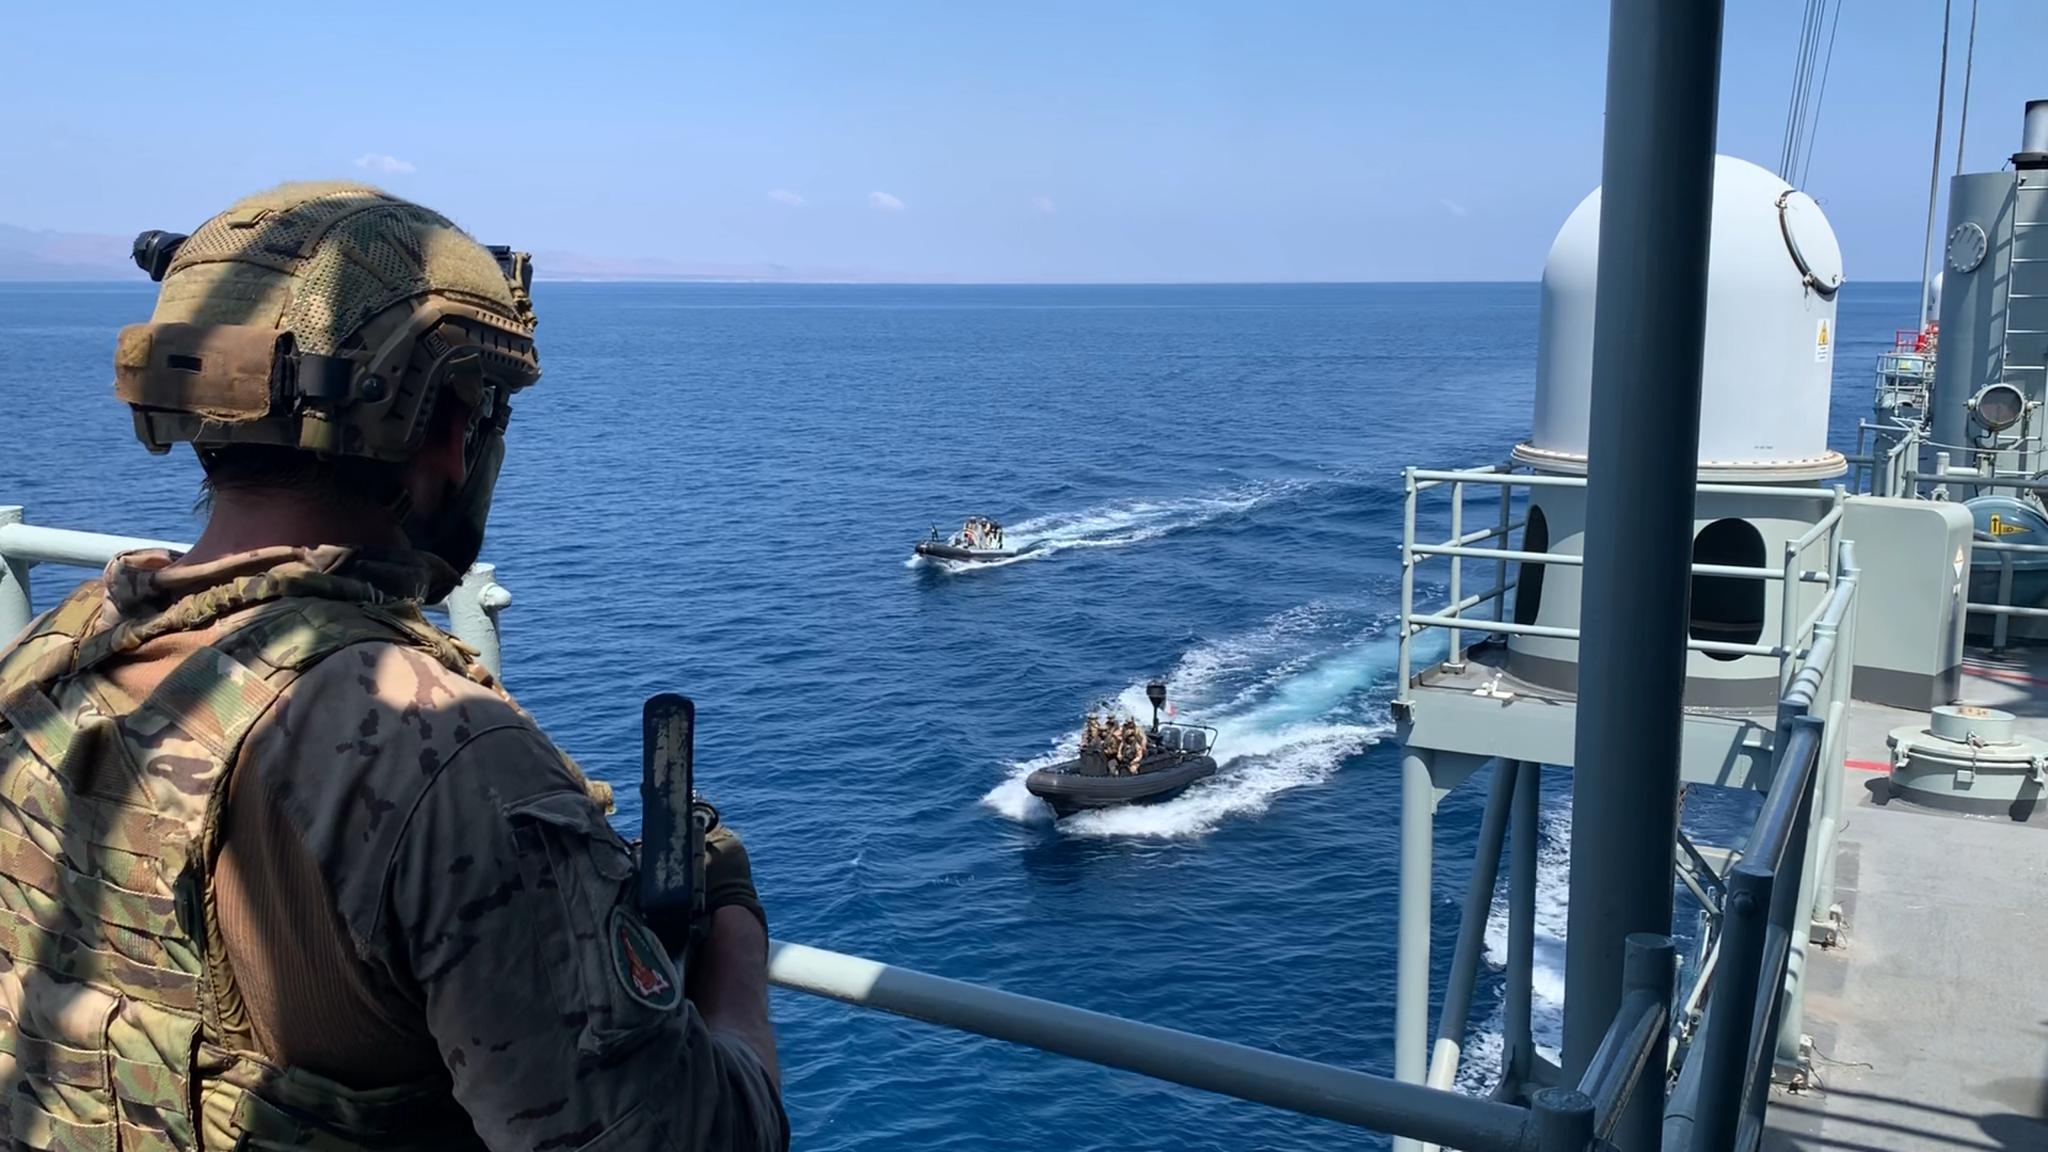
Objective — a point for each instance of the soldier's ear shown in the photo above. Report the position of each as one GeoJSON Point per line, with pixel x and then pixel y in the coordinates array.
{"type": "Point", "coordinates": [437, 471]}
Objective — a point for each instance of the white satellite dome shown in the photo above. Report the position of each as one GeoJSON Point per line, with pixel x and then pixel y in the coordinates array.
{"type": "Point", "coordinates": [1773, 271]}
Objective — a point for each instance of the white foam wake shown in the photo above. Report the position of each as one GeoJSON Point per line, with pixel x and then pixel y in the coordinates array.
{"type": "Point", "coordinates": [1116, 524]}
{"type": "Point", "coordinates": [1290, 726]}
{"type": "Point", "coordinates": [1482, 1062]}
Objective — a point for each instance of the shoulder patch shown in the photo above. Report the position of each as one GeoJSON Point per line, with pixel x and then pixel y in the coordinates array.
{"type": "Point", "coordinates": [640, 964]}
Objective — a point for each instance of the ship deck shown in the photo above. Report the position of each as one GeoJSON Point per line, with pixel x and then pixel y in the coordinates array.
{"type": "Point", "coordinates": [1930, 1018]}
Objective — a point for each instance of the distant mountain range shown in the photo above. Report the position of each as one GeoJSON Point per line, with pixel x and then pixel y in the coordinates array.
{"type": "Point", "coordinates": [575, 266]}
{"type": "Point", "coordinates": [27, 254]}
{"type": "Point", "coordinates": [32, 255]}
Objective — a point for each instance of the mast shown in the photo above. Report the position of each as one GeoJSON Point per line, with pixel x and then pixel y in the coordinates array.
{"type": "Point", "coordinates": [1934, 175]}
{"type": "Point", "coordinates": [1663, 92]}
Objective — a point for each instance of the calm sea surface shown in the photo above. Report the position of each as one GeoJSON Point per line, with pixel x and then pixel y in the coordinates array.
{"type": "Point", "coordinates": [714, 490]}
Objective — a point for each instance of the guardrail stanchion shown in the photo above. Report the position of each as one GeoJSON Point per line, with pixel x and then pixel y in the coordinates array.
{"type": "Point", "coordinates": [473, 609]}
{"type": "Point", "coordinates": [1650, 964]}
{"type": "Point", "coordinates": [16, 607]}
{"type": "Point", "coordinates": [1407, 581]}
{"type": "Point", "coordinates": [1788, 611]}
{"type": "Point", "coordinates": [1457, 659]}
{"type": "Point", "coordinates": [2000, 619]}
{"type": "Point", "coordinates": [1564, 1120]}
{"type": "Point", "coordinates": [1500, 567]}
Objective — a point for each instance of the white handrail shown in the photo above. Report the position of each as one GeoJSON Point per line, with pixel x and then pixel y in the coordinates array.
{"type": "Point", "coordinates": [1288, 1082]}
{"type": "Point", "coordinates": [1793, 641]}
{"type": "Point", "coordinates": [472, 607]}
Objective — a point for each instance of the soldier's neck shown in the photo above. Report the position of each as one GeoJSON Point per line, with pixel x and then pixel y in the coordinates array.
{"type": "Point", "coordinates": [243, 521]}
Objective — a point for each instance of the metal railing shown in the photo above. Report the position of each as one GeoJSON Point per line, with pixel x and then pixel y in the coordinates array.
{"type": "Point", "coordinates": [1555, 1120]}
{"type": "Point", "coordinates": [1752, 996]}
{"type": "Point", "coordinates": [2002, 610]}
{"type": "Point", "coordinates": [472, 607]}
{"type": "Point", "coordinates": [1884, 459]}
{"type": "Point", "coordinates": [1757, 936]}
{"type": "Point", "coordinates": [1456, 618]}
{"type": "Point", "coordinates": [1895, 472]}
{"type": "Point", "coordinates": [1905, 379]}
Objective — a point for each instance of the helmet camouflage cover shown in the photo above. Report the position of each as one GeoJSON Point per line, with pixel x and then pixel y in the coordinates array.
{"type": "Point", "coordinates": [326, 317]}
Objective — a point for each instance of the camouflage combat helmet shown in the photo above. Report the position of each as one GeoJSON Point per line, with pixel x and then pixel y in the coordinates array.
{"type": "Point", "coordinates": [329, 318]}
{"type": "Point", "coordinates": [324, 317]}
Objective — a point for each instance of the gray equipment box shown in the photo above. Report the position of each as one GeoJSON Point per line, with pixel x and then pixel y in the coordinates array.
{"type": "Point", "coordinates": [1915, 561]}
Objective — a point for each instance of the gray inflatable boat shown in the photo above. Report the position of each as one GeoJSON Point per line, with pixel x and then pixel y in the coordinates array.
{"type": "Point", "coordinates": [979, 539]}
{"type": "Point", "coordinates": [1086, 782]}
{"type": "Point", "coordinates": [1176, 755]}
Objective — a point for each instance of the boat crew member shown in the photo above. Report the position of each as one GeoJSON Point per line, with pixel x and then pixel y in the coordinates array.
{"type": "Point", "coordinates": [1091, 734]}
{"type": "Point", "coordinates": [324, 883]}
{"type": "Point", "coordinates": [1133, 745]}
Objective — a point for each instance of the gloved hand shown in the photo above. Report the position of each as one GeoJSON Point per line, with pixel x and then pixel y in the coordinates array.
{"type": "Point", "coordinates": [728, 881]}
{"type": "Point", "coordinates": [728, 877]}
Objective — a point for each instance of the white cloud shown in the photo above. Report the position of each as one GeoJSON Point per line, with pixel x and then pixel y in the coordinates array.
{"type": "Point", "coordinates": [785, 196]}
{"type": "Point", "coordinates": [1043, 204]}
{"type": "Point", "coordinates": [1453, 207]}
{"type": "Point", "coordinates": [883, 202]}
{"type": "Point", "coordinates": [380, 162]}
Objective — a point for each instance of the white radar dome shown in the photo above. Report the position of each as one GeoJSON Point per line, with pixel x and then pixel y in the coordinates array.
{"type": "Point", "coordinates": [1773, 270]}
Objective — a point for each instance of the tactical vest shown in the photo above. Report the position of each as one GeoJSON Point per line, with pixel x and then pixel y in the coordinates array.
{"type": "Point", "coordinates": [120, 1023]}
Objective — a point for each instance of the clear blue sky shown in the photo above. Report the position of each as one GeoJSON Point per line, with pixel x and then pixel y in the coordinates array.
{"type": "Point", "coordinates": [1100, 140]}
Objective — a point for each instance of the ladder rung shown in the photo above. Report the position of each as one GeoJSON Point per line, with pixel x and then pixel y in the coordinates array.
{"type": "Point", "coordinates": [2026, 331]}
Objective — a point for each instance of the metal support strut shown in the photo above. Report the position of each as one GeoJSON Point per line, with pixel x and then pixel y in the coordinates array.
{"type": "Point", "coordinates": [1518, 1039]}
{"type": "Point", "coordinates": [1411, 965]}
{"type": "Point", "coordinates": [1457, 1010]}
{"type": "Point", "coordinates": [1657, 177]}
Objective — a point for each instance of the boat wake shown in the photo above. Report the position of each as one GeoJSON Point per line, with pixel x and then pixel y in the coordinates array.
{"type": "Point", "coordinates": [1481, 1064]}
{"type": "Point", "coordinates": [1116, 524]}
{"type": "Point", "coordinates": [1288, 709]}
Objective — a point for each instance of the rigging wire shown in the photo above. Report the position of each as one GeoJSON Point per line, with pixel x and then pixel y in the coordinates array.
{"type": "Point", "coordinates": [1802, 69]}
{"type": "Point", "coordinates": [1934, 173]}
{"type": "Point", "coordinates": [1820, 99]}
{"type": "Point", "coordinates": [1969, 67]}
{"type": "Point", "coordinates": [1799, 64]}
{"type": "Point", "coordinates": [1807, 97]}
{"type": "Point", "coordinates": [1799, 142]}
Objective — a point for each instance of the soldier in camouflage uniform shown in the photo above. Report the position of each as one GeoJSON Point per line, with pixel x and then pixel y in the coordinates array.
{"type": "Point", "coordinates": [1133, 739]}
{"type": "Point", "coordinates": [281, 866]}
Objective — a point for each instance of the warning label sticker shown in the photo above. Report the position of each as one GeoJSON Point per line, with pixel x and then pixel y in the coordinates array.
{"type": "Point", "coordinates": [2003, 527]}
{"type": "Point", "coordinates": [1823, 341]}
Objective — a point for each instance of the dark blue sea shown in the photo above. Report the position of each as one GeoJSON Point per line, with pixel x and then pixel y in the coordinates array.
{"type": "Point", "coordinates": [714, 490]}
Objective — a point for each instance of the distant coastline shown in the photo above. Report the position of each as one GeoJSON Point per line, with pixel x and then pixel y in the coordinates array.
{"type": "Point", "coordinates": [29, 257]}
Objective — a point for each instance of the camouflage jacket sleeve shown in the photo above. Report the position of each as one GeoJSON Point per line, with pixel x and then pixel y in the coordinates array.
{"type": "Point", "coordinates": [560, 1020]}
